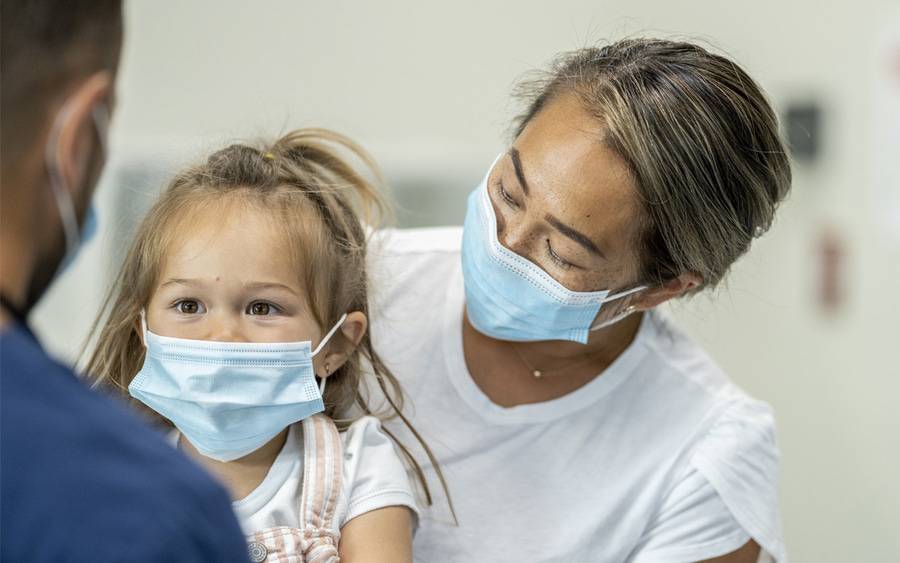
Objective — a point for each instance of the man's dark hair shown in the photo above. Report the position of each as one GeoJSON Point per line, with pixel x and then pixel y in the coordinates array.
{"type": "Point", "coordinates": [46, 46]}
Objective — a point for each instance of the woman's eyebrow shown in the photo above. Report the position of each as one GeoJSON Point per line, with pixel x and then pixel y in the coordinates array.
{"type": "Point", "coordinates": [578, 237]}
{"type": "Point", "coordinates": [517, 166]}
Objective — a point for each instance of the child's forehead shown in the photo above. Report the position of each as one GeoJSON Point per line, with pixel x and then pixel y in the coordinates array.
{"type": "Point", "coordinates": [232, 235]}
{"type": "Point", "coordinates": [218, 216]}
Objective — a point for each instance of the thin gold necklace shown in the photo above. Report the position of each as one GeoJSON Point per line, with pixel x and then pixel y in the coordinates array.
{"type": "Point", "coordinates": [539, 373]}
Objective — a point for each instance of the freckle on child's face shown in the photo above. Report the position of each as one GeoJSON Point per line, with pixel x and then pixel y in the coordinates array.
{"type": "Point", "coordinates": [229, 278]}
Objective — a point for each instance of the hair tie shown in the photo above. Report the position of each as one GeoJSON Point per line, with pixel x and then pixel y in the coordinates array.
{"type": "Point", "coordinates": [268, 155]}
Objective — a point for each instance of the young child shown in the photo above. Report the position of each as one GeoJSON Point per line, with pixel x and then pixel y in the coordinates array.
{"type": "Point", "coordinates": [239, 318]}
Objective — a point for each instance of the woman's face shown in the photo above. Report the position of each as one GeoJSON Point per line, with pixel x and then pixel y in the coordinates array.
{"type": "Point", "coordinates": [566, 202]}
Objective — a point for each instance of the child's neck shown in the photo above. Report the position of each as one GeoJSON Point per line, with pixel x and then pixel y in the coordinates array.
{"type": "Point", "coordinates": [242, 475]}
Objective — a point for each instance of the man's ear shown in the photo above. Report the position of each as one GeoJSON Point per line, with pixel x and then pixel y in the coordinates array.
{"type": "Point", "coordinates": [343, 343]}
{"type": "Point", "coordinates": [75, 140]}
{"type": "Point", "coordinates": [675, 287]}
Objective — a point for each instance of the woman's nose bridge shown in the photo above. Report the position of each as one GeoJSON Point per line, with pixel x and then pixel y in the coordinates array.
{"type": "Point", "coordinates": [518, 234]}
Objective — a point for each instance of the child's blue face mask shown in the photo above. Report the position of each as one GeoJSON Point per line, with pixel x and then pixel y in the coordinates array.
{"type": "Point", "coordinates": [229, 398]}
{"type": "Point", "coordinates": [508, 297]}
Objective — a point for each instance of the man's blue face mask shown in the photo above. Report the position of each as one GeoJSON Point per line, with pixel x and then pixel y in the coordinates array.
{"type": "Point", "coordinates": [508, 297]}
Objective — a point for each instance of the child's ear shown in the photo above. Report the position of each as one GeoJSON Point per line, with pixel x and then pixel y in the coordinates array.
{"type": "Point", "coordinates": [354, 327]}
{"type": "Point", "coordinates": [139, 328]}
{"type": "Point", "coordinates": [344, 343]}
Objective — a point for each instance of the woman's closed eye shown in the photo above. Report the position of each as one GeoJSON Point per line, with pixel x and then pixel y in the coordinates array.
{"type": "Point", "coordinates": [505, 196]}
{"type": "Point", "coordinates": [558, 260]}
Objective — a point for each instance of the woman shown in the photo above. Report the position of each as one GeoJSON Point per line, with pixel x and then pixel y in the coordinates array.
{"type": "Point", "coordinates": [572, 421]}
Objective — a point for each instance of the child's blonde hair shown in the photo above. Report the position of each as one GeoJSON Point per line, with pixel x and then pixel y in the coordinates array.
{"type": "Point", "coordinates": [316, 197]}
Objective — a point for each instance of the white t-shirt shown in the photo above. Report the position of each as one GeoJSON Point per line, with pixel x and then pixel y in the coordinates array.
{"type": "Point", "coordinates": [659, 459]}
{"type": "Point", "coordinates": [373, 478]}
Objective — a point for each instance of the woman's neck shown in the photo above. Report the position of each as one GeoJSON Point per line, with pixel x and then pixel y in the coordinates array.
{"type": "Point", "coordinates": [604, 345]}
{"type": "Point", "coordinates": [506, 371]}
{"type": "Point", "coordinates": [240, 476]}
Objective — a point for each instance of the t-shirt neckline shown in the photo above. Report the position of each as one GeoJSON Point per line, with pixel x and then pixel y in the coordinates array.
{"type": "Point", "coordinates": [617, 372]}
{"type": "Point", "coordinates": [278, 474]}
{"type": "Point", "coordinates": [275, 478]}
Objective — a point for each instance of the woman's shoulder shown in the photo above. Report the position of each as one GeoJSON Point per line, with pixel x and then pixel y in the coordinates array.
{"type": "Point", "coordinates": [727, 436]}
{"type": "Point", "coordinates": [723, 415]}
{"type": "Point", "coordinates": [408, 268]}
{"type": "Point", "coordinates": [394, 242]}
{"type": "Point", "coordinates": [676, 358]}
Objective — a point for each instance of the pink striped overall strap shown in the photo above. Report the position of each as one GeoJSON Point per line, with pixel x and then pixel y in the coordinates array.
{"type": "Point", "coordinates": [322, 477]}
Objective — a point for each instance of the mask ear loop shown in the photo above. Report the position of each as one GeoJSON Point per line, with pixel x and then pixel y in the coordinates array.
{"type": "Point", "coordinates": [144, 327]}
{"type": "Point", "coordinates": [322, 344]}
{"type": "Point", "coordinates": [64, 203]}
{"type": "Point", "coordinates": [628, 310]}
{"type": "Point", "coordinates": [621, 294]}
{"type": "Point", "coordinates": [100, 113]}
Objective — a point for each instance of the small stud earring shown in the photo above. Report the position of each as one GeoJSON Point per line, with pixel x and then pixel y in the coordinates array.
{"type": "Point", "coordinates": [327, 371]}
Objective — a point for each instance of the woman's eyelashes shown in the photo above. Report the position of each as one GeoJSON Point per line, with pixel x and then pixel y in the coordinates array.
{"type": "Point", "coordinates": [512, 203]}
{"type": "Point", "coordinates": [559, 261]}
{"type": "Point", "coordinates": [505, 196]}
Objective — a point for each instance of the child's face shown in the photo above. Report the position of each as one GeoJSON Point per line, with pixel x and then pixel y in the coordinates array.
{"type": "Point", "coordinates": [229, 278]}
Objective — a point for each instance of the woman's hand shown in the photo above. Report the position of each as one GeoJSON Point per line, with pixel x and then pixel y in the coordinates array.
{"type": "Point", "coordinates": [380, 536]}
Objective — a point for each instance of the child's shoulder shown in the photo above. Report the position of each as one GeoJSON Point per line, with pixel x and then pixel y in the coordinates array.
{"type": "Point", "coordinates": [362, 432]}
{"type": "Point", "coordinates": [374, 473]}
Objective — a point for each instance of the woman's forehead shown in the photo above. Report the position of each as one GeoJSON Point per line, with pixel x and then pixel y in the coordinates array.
{"type": "Point", "coordinates": [564, 161]}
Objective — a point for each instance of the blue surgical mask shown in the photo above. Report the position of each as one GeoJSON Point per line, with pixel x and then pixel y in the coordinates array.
{"type": "Point", "coordinates": [88, 230]}
{"type": "Point", "coordinates": [229, 398]}
{"type": "Point", "coordinates": [508, 297]}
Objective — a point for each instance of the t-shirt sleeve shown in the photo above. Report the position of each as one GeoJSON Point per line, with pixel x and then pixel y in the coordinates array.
{"type": "Point", "coordinates": [374, 473]}
{"type": "Point", "coordinates": [726, 495]}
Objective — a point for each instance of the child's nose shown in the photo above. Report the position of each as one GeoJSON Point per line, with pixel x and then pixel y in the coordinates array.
{"type": "Point", "coordinates": [227, 330]}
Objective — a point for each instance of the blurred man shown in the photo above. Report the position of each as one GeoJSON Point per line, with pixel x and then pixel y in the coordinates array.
{"type": "Point", "coordinates": [80, 480]}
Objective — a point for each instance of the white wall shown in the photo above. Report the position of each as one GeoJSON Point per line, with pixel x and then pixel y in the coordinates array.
{"type": "Point", "coordinates": [425, 87]}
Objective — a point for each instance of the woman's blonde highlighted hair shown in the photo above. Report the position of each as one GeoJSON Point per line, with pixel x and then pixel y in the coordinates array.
{"type": "Point", "coordinates": [317, 199]}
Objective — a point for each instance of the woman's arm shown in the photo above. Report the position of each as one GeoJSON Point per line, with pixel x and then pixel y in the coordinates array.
{"type": "Point", "coordinates": [379, 536]}
{"type": "Point", "coordinates": [749, 553]}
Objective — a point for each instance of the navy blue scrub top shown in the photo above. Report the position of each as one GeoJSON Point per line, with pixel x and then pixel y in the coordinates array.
{"type": "Point", "coordinates": [82, 479]}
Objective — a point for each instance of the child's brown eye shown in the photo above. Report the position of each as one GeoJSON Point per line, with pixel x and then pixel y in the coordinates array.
{"type": "Point", "coordinates": [188, 307]}
{"type": "Point", "coordinates": [260, 309]}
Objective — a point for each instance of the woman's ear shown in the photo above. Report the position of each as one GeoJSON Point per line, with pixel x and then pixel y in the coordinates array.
{"type": "Point", "coordinates": [343, 343]}
{"type": "Point", "coordinates": [676, 287]}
